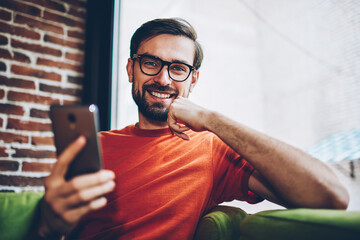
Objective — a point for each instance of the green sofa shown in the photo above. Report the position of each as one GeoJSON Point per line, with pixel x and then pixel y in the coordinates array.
{"type": "Point", "coordinates": [19, 213]}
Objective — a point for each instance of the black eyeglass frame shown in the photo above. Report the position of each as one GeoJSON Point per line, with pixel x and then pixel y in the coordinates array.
{"type": "Point", "coordinates": [140, 56]}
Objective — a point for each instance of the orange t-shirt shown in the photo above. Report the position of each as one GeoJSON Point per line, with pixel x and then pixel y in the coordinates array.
{"type": "Point", "coordinates": [164, 184]}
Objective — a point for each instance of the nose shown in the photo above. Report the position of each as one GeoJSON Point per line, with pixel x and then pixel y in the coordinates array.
{"type": "Point", "coordinates": [163, 77]}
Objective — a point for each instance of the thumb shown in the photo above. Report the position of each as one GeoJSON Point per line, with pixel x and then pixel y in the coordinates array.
{"type": "Point", "coordinates": [66, 157]}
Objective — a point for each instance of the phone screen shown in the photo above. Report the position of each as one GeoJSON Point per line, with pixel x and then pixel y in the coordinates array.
{"type": "Point", "coordinates": [68, 123]}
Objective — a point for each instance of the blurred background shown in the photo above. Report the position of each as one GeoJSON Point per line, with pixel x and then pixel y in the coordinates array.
{"type": "Point", "coordinates": [290, 69]}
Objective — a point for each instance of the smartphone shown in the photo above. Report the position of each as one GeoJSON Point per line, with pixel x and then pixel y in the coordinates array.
{"type": "Point", "coordinates": [68, 123]}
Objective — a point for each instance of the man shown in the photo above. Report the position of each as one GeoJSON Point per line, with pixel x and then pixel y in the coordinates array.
{"type": "Point", "coordinates": [179, 160]}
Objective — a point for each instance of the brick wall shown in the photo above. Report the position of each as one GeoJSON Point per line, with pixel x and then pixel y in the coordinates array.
{"type": "Point", "coordinates": [41, 63]}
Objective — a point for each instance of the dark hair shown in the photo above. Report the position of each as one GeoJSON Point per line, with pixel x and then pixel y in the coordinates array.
{"type": "Point", "coordinates": [173, 26]}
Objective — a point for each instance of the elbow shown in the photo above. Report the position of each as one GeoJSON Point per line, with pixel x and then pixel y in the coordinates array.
{"type": "Point", "coordinates": [339, 199]}
{"type": "Point", "coordinates": [330, 198]}
{"type": "Point", "coordinates": [342, 202]}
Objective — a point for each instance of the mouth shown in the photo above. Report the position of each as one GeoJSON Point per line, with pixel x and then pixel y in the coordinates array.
{"type": "Point", "coordinates": [161, 95]}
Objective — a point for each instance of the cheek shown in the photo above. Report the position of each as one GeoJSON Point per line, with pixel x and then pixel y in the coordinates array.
{"type": "Point", "coordinates": [184, 89]}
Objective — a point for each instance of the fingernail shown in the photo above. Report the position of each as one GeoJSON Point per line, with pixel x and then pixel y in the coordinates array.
{"type": "Point", "coordinates": [82, 139]}
{"type": "Point", "coordinates": [109, 174]}
{"type": "Point", "coordinates": [98, 203]}
{"type": "Point", "coordinates": [110, 185]}
{"type": "Point", "coordinates": [186, 137]}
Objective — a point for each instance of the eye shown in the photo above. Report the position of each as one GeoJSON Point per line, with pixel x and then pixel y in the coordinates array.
{"type": "Point", "coordinates": [150, 63]}
{"type": "Point", "coordinates": [178, 67]}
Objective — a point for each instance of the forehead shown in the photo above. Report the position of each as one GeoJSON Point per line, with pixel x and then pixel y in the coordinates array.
{"type": "Point", "coordinates": [169, 47]}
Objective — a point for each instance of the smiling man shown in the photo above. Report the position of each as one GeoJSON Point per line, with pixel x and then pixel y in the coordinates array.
{"type": "Point", "coordinates": [156, 83]}
{"type": "Point", "coordinates": [180, 160]}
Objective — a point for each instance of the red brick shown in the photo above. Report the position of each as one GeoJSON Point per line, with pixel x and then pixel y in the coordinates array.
{"type": "Point", "coordinates": [50, 5]}
{"type": "Point", "coordinates": [62, 19]}
{"type": "Point", "coordinates": [11, 109]}
{"type": "Point", "coordinates": [27, 97]}
{"type": "Point", "coordinates": [9, 165]}
{"type": "Point", "coordinates": [76, 34]}
{"type": "Point", "coordinates": [42, 141]}
{"type": "Point", "coordinates": [60, 90]}
{"type": "Point", "coordinates": [35, 48]}
{"type": "Point", "coordinates": [63, 42]}
{"type": "Point", "coordinates": [2, 67]}
{"type": "Point", "coordinates": [2, 152]}
{"type": "Point", "coordinates": [2, 95]}
{"type": "Point", "coordinates": [61, 65]}
{"type": "Point", "coordinates": [28, 153]}
{"type": "Point", "coordinates": [38, 24]}
{"type": "Point", "coordinates": [21, 181]}
{"type": "Point", "coordinates": [75, 79]}
{"type": "Point", "coordinates": [5, 15]}
{"type": "Point", "coordinates": [3, 40]}
{"type": "Point", "coordinates": [8, 137]}
{"type": "Point", "coordinates": [1, 122]}
{"type": "Point", "coordinates": [79, 57]}
{"type": "Point", "coordinates": [28, 125]}
{"type": "Point", "coordinates": [19, 31]}
{"type": "Point", "coordinates": [37, 167]}
{"type": "Point", "coordinates": [15, 82]}
{"type": "Point", "coordinates": [20, 57]}
{"type": "Point", "coordinates": [78, 12]}
{"type": "Point", "coordinates": [32, 72]}
{"type": "Point", "coordinates": [4, 53]}
{"type": "Point", "coordinates": [20, 7]}
{"type": "Point", "coordinates": [36, 113]}
{"type": "Point", "coordinates": [69, 102]}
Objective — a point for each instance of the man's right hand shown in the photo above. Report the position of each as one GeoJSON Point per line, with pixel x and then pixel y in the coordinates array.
{"type": "Point", "coordinates": [65, 202]}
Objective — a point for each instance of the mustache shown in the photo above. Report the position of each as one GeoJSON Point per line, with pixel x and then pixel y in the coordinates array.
{"type": "Point", "coordinates": [157, 86]}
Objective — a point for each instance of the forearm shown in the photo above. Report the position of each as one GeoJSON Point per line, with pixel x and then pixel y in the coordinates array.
{"type": "Point", "coordinates": [297, 178]}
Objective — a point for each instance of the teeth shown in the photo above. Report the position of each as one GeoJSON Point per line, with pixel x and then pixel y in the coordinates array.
{"type": "Point", "coordinates": [160, 95]}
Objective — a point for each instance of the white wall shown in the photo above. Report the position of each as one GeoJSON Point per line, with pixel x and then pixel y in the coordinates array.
{"type": "Point", "coordinates": [229, 77]}
{"type": "Point", "coordinates": [310, 63]}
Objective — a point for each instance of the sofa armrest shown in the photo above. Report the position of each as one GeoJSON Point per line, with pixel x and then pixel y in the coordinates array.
{"type": "Point", "coordinates": [222, 222]}
{"type": "Point", "coordinates": [19, 213]}
{"type": "Point", "coordinates": [299, 224]}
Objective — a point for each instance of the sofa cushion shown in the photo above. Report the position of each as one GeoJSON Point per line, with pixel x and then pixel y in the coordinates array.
{"type": "Point", "coordinates": [301, 224]}
{"type": "Point", "coordinates": [17, 213]}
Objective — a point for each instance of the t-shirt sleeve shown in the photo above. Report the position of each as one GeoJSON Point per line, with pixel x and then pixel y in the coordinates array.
{"type": "Point", "coordinates": [231, 175]}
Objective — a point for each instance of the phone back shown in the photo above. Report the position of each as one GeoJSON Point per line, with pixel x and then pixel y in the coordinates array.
{"type": "Point", "coordinates": [68, 123]}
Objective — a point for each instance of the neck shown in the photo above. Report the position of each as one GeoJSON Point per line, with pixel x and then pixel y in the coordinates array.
{"type": "Point", "coordinates": [145, 123]}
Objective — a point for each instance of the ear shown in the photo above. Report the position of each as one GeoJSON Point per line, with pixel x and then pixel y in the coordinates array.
{"type": "Point", "coordinates": [130, 69]}
{"type": "Point", "coordinates": [194, 79]}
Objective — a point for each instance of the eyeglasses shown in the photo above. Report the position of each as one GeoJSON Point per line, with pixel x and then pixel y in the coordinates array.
{"type": "Point", "coordinates": [151, 66]}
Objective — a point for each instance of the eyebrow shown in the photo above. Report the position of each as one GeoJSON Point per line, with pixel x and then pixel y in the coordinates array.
{"type": "Point", "coordinates": [173, 60]}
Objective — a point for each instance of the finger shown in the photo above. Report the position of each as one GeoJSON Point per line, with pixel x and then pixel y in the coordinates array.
{"type": "Point", "coordinates": [90, 194]}
{"type": "Point", "coordinates": [174, 124]}
{"type": "Point", "coordinates": [180, 128]}
{"type": "Point", "coordinates": [74, 215]}
{"type": "Point", "coordinates": [176, 129]}
{"type": "Point", "coordinates": [86, 181]}
{"type": "Point", "coordinates": [93, 179]}
{"type": "Point", "coordinates": [182, 136]}
{"type": "Point", "coordinates": [171, 120]}
{"type": "Point", "coordinates": [68, 155]}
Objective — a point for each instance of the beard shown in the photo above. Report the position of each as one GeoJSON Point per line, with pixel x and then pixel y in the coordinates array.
{"type": "Point", "coordinates": [156, 111]}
